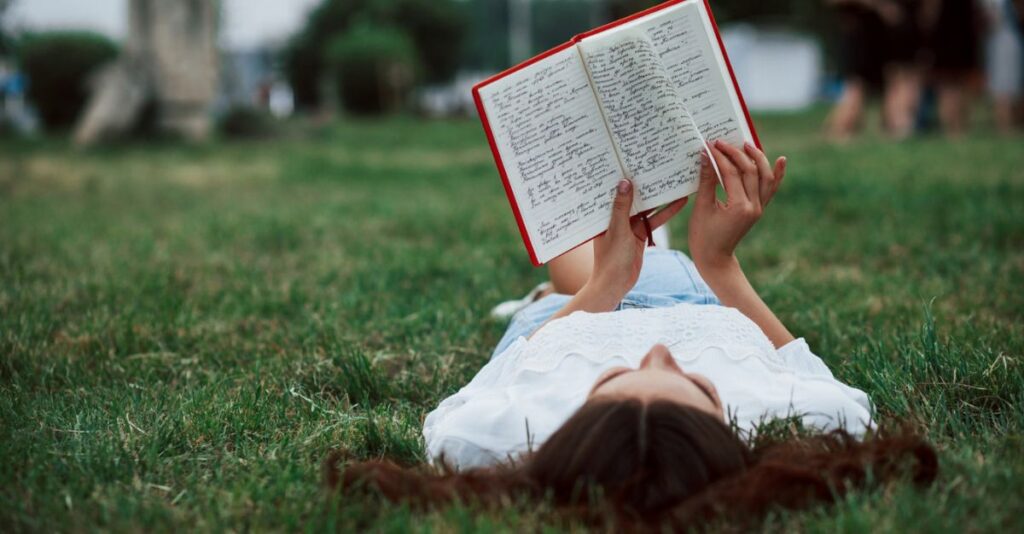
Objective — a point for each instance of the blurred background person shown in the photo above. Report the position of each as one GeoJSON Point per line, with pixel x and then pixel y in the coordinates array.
{"type": "Point", "coordinates": [902, 69]}
{"type": "Point", "coordinates": [1004, 62]}
{"type": "Point", "coordinates": [880, 45]}
{"type": "Point", "coordinates": [951, 30]}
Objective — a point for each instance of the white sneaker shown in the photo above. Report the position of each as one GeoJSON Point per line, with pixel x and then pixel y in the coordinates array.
{"type": "Point", "coordinates": [507, 309]}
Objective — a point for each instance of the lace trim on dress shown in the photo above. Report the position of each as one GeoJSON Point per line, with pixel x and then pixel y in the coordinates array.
{"type": "Point", "coordinates": [689, 331]}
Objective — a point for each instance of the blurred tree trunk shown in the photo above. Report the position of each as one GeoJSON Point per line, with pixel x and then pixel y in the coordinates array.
{"type": "Point", "coordinates": [168, 67]}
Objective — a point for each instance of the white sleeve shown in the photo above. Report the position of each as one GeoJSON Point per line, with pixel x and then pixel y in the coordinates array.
{"type": "Point", "coordinates": [479, 425]}
{"type": "Point", "coordinates": [807, 365]}
{"type": "Point", "coordinates": [801, 361]}
{"type": "Point", "coordinates": [488, 429]}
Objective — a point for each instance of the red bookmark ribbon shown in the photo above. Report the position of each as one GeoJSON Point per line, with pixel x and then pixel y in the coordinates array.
{"type": "Point", "coordinates": [647, 226]}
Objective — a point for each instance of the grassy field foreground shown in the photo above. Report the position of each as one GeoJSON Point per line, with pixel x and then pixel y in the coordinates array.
{"type": "Point", "coordinates": [186, 332]}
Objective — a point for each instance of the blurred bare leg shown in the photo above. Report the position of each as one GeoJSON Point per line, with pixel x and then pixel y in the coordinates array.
{"type": "Point", "coordinates": [570, 271]}
{"type": "Point", "coordinates": [1003, 109]}
{"type": "Point", "coordinates": [844, 120]}
{"type": "Point", "coordinates": [953, 108]}
{"type": "Point", "coordinates": [902, 95]}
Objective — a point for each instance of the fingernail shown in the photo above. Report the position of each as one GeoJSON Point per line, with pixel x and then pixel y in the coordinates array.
{"type": "Point", "coordinates": [748, 146]}
{"type": "Point", "coordinates": [623, 187]}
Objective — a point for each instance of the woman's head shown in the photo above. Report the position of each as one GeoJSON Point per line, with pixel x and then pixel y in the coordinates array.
{"type": "Point", "coordinates": [648, 437]}
{"type": "Point", "coordinates": [644, 455]}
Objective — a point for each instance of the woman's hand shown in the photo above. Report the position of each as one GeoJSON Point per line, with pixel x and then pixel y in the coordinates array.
{"type": "Point", "coordinates": [716, 229]}
{"type": "Point", "coordinates": [619, 252]}
{"type": "Point", "coordinates": [750, 183]}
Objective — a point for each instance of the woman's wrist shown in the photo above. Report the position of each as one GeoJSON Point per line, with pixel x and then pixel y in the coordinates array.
{"type": "Point", "coordinates": [718, 268]}
{"type": "Point", "coordinates": [600, 295]}
{"type": "Point", "coordinates": [727, 281]}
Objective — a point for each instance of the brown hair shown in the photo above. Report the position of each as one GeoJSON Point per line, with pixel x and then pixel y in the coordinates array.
{"type": "Point", "coordinates": [657, 463]}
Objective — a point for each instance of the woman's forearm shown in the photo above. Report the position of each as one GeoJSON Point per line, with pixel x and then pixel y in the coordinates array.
{"type": "Point", "coordinates": [730, 285]}
{"type": "Point", "coordinates": [592, 299]}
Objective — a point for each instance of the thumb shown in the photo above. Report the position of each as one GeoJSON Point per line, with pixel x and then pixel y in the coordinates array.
{"type": "Point", "coordinates": [622, 205]}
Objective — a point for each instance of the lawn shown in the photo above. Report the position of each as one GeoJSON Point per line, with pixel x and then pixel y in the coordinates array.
{"type": "Point", "coordinates": [186, 332]}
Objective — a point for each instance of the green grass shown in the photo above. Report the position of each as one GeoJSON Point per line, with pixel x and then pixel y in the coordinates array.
{"type": "Point", "coordinates": [185, 332]}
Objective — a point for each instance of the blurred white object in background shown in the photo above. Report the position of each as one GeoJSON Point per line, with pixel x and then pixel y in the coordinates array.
{"type": "Point", "coordinates": [1004, 61]}
{"type": "Point", "coordinates": [451, 99]}
{"type": "Point", "coordinates": [282, 100]}
{"type": "Point", "coordinates": [777, 70]}
{"type": "Point", "coordinates": [15, 113]}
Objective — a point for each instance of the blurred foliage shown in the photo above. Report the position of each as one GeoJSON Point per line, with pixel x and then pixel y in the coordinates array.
{"type": "Point", "coordinates": [473, 34]}
{"type": "Point", "coordinates": [6, 41]}
{"type": "Point", "coordinates": [486, 47]}
{"type": "Point", "coordinates": [435, 28]}
{"type": "Point", "coordinates": [556, 21]}
{"type": "Point", "coordinates": [58, 66]}
{"type": "Point", "coordinates": [245, 122]}
{"type": "Point", "coordinates": [438, 29]}
{"type": "Point", "coordinates": [372, 67]}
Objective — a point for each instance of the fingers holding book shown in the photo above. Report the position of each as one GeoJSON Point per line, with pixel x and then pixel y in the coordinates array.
{"type": "Point", "coordinates": [770, 178]}
{"type": "Point", "coordinates": [748, 177]}
{"type": "Point", "coordinates": [732, 161]}
{"type": "Point", "coordinates": [750, 182]}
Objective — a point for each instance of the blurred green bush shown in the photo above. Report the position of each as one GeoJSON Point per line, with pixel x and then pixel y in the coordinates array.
{"type": "Point", "coordinates": [58, 66]}
{"type": "Point", "coordinates": [5, 39]}
{"type": "Point", "coordinates": [372, 67]}
{"type": "Point", "coordinates": [434, 30]}
{"type": "Point", "coordinates": [438, 29]}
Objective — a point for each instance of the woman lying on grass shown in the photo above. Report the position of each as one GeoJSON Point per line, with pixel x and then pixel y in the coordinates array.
{"type": "Point", "coordinates": [623, 384]}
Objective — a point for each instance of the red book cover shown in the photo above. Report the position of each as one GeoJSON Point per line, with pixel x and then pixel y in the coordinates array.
{"type": "Point", "coordinates": [490, 135]}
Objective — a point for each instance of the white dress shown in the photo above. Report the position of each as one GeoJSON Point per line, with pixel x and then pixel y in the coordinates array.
{"type": "Point", "coordinates": [1005, 51]}
{"type": "Point", "coordinates": [525, 393]}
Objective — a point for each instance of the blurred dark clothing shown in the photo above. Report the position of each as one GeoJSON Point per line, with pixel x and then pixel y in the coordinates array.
{"type": "Point", "coordinates": [954, 40]}
{"type": "Point", "coordinates": [869, 43]}
{"type": "Point", "coordinates": [904, 35]}
{"type": "Point", "coordinates": [861, 51]}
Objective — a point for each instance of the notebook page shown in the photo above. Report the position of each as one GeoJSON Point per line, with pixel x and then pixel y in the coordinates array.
{"type": "Point", "coordinates": [686, 43]}
{"type": "Point", "coordinates": [558, 159]}
{"type": "Point", "coordinates": [655, 137]}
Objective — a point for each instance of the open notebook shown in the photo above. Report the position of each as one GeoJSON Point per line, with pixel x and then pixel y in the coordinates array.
{"type": "Point", "coordinates": [635, 98]}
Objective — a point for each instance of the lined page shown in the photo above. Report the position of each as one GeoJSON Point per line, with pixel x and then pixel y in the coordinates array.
{"type": "Point", "coordinates": [686, 52]}
{"type": "Point", "coordinates": [686, 44]}
{"type": "Point", "coordinates": [656, 139]}
{"type": "Point", "coordinates": [558, 157]}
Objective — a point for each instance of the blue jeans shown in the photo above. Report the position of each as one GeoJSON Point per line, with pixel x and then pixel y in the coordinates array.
{"type": "Point", "coordinates": [668, 278]}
